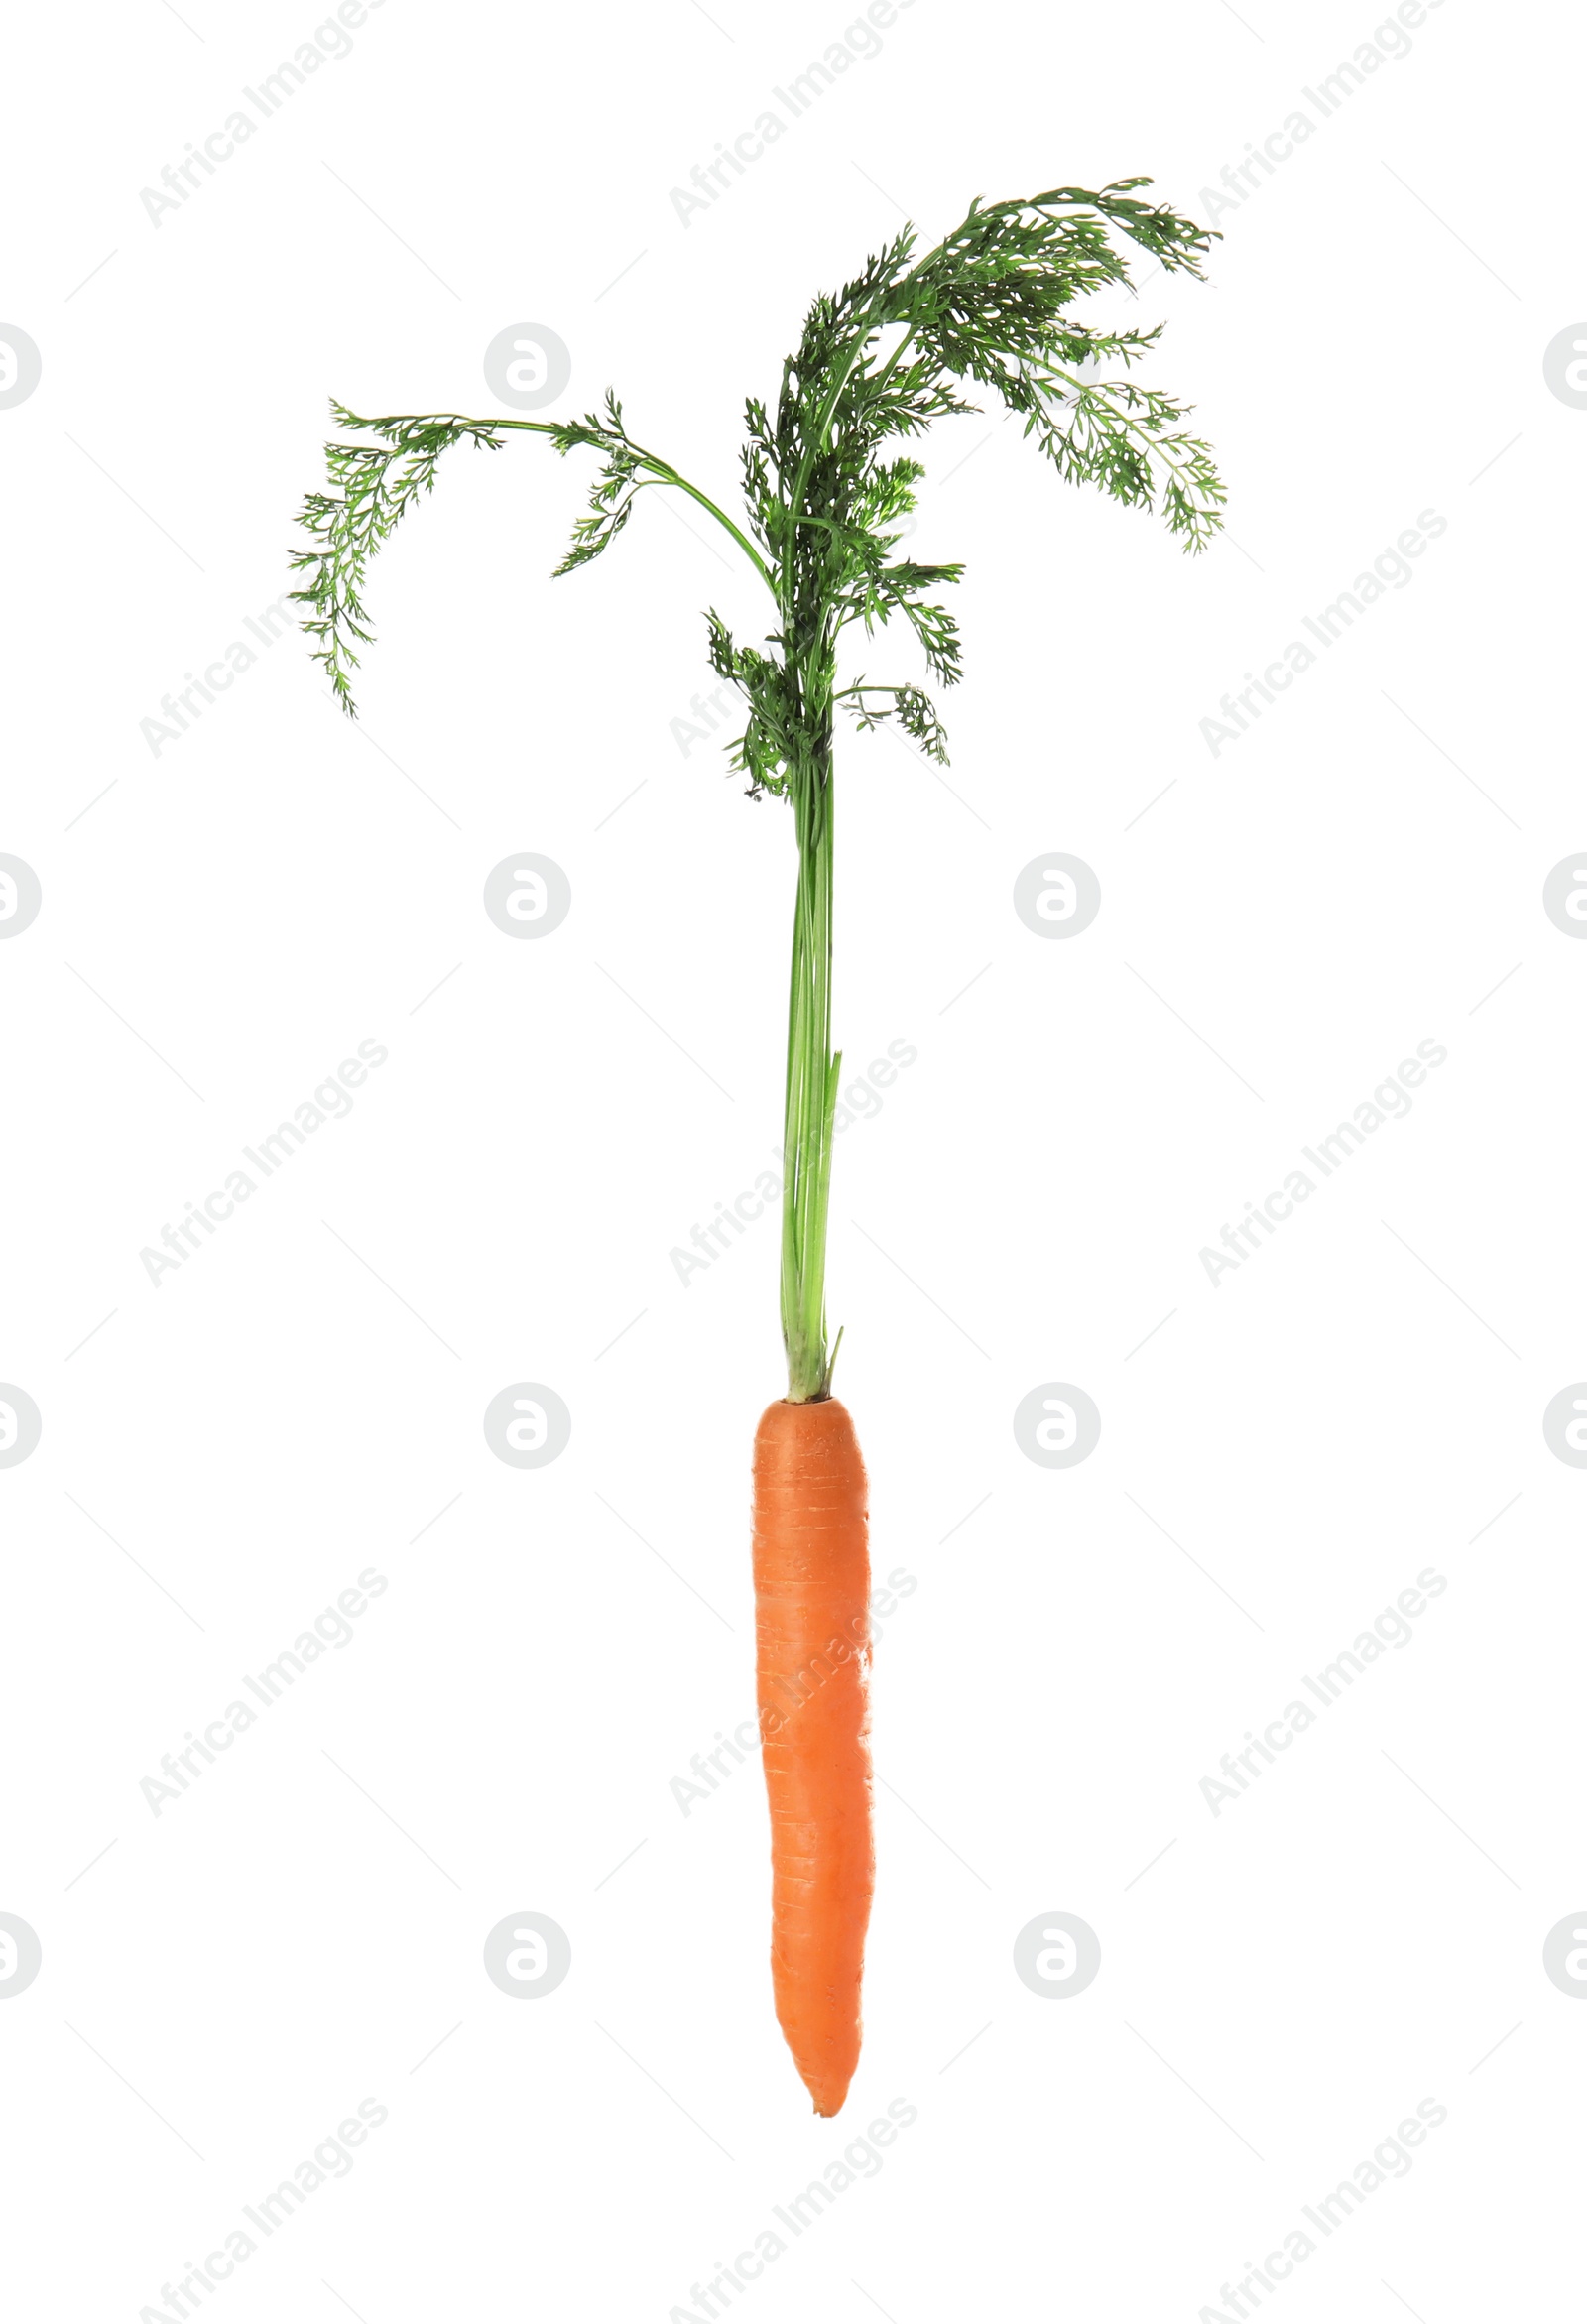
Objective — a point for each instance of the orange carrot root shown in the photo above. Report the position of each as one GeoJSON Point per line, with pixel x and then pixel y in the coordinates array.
{"type": "Point", "coordinates": [812, 1588]}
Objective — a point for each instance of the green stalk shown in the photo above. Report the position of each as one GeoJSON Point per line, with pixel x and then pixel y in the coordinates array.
{"type": "Point", "coordinates": [810, 1097]}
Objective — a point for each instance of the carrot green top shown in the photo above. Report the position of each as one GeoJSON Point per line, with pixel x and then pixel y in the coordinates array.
{"type": "Point", "coordinates": [826, 492]}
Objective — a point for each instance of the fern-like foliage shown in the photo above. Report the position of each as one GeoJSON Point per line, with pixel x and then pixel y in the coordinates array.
{"type": "Point", "coordinates": [908, 706]}
{"type": "Point", "coordinates": [617, 482]}
{"type": "Point", "coordinates": [828, 492]}
{"type": "Point", "coordinates": [373, 487]}
{"type": "Point", "coordinates": [888, 355]}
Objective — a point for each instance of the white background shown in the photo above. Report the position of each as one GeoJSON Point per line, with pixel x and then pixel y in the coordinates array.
{"type": "Point", "coordinates": [1281, 924]}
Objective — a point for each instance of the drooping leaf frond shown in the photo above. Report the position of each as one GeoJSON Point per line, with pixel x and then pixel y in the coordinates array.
{"type": "Point", "coordinates": [373, 487]}
{"type": "Point", "coordinates": [910, 708]}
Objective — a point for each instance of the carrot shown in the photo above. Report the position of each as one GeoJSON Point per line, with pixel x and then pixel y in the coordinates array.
{"type": "Point", "coordinates": [830, 501]}
{"type": "Point", "coordinates": [812, 1588]}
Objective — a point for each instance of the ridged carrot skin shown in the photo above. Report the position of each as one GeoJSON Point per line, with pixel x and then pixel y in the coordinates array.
{"type": "Point", "coordinates": [813, 1590]}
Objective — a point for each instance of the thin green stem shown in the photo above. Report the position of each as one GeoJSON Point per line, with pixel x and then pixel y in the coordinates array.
{"type": "Point", "coordinates": [664, 473]}
{"type": "Point", "coordinates": [810, 1089]}
{"type": "Point", "coordinates": [668, 475]}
